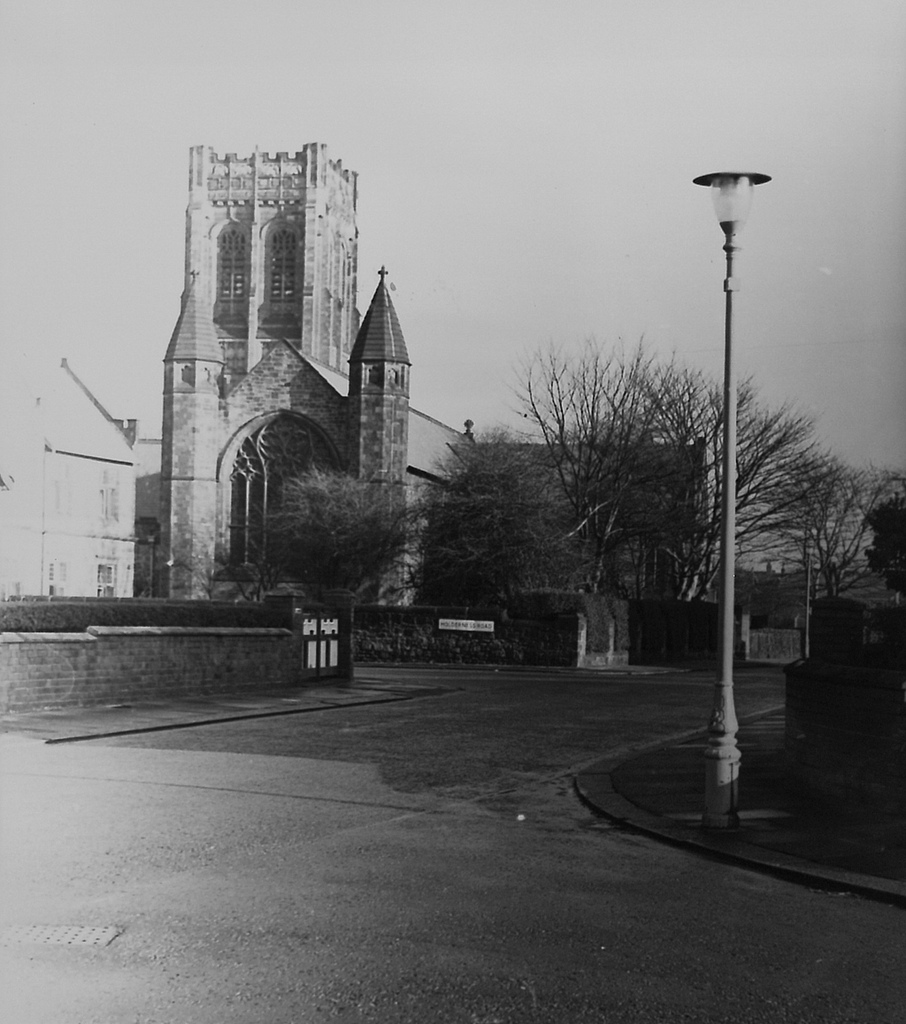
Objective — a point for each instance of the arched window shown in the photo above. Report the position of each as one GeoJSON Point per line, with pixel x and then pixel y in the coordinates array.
{"type": "Point", "coordinates": [232, 268]}
{"type": "Point", "coordinates": [282, 265]}
{"type": "Point", "coordinates": [284, 448]}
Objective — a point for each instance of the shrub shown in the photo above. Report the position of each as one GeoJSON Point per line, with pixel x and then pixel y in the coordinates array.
{"type": "Point", "coordinates": [75, 616]}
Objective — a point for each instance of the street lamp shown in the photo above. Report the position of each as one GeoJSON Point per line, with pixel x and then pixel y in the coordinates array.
{"type": "Point", "coordinates": [732, 195]}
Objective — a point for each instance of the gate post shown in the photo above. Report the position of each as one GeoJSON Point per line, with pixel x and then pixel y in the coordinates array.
{"type": "Point", "coordinates": [342, 603]}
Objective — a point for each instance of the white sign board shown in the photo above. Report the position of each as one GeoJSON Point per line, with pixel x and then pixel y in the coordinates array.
{"type": "Point", "coordinates": [467, 625]}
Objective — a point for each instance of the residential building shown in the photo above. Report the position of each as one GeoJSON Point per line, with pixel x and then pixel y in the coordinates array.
{"type": "Point", "coordinates": [67, 490]}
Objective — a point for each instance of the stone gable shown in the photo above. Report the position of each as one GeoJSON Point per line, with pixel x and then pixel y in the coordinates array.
{"type": "Point", "coordinates": [284, 380]}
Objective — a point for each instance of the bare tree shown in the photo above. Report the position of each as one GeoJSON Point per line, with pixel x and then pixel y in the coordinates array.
{"type": "Point", "coordinates": [829, 530]}
{"type": "Point", "coordinates": [636, 447]}
{"type": "Point", "coordinates": [774, 458]}
{"type": "Point", "coordinates": [594, 415]}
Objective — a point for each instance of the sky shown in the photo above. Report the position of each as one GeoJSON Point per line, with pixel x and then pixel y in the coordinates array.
{"type": "Point", "coordinates": [525, 174]}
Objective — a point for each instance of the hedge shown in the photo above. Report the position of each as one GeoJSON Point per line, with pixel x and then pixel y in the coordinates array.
{"type": "Point", "coordinates": [75, 616]}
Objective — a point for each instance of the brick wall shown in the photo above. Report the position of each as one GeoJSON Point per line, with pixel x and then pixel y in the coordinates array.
{"type": "Point", "coordinates": [837, 631]}
{"type": "Point", "coordinates": [107, 665]}
{"type": "Point", "coordinates": [846, 733]}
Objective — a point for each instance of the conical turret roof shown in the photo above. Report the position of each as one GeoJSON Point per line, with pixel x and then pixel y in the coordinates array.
{"type": "Point", "coordinates": [380, 338]}
{"type": "Point", "coordinates": [193, 336]}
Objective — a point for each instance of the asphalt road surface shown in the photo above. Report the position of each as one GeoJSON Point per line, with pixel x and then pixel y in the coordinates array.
{"type": "Point", "coordinates": [424, 861]}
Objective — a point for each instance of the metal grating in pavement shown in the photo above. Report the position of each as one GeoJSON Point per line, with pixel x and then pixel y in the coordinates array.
{"type": "Point", "coordinates": [59, 935]}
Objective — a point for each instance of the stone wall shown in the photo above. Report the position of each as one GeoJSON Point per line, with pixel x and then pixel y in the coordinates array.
{"type": "Point", "coordinates": [411, 634]}
{"type": "Point", "coordinates": [846, 733]}
{"type": "Point", "coordinates": [112, 664]}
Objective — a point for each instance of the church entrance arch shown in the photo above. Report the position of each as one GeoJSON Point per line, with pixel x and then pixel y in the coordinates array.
{"type": "Point", "coordinates": [285, 447]}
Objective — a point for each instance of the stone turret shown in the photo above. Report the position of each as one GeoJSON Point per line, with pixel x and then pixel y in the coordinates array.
{"type": "Point", "coordinates": [193, 371]}
{"type": "Point", "coordinates": [379, 394]}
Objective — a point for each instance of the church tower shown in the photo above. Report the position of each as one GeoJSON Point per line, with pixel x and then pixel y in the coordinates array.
{"type": "Point", "coordinates": [268, 374]}
{"type": "Point", "coordinates": [273, 243]}
{"type": "Point", "coordinates": [379, 394]}
{"type": "Point", "coordinates": [193, 374]}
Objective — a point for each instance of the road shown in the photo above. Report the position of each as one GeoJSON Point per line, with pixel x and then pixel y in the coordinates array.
{"type": "Point", "coordinates": [423, 861]}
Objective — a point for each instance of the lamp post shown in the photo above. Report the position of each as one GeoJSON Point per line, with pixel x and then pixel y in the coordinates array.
{"type": "Point", "coordinates": [732, 195]}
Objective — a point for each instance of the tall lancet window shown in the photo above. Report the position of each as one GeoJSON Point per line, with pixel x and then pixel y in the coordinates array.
{"type": "Point", "coordinates": [232, 266]}
{"type": "Point", "coordinates": [282, 246]}
{"type": "Point", "coordinates": [284, 448]}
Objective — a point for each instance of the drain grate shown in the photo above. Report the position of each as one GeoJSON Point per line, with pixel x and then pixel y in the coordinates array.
{"type": "Point", "coordinates": [59, 935]}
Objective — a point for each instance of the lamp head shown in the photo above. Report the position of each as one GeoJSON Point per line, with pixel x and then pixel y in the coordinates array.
{"type": "Point", "coordinates": [731, 192]}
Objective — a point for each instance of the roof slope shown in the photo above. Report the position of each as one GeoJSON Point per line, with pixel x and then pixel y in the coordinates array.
{"type": "Point", "coordinates": [380, 338]}
{"type": "Point", "coordinates": [193, 336]}
{"type": "Point", "coordinates": [430, 442]}
{"type": "Point", "coordinates": [60, 411]}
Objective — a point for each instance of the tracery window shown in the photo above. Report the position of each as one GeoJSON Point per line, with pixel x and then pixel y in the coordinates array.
{"type": "Point", "coordinates": [232, 258]}
{"type": "Point", "coordinates": [284, 448]}
{"type": "Point", "coordinates": [282, 265]}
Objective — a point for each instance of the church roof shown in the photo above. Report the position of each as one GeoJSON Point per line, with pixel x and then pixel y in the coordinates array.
{"type": "Point", "coordinates": [380, 338]}
{"type": "Point", "coordinates": [430, 442]}
{"type": "Point", "coordinates": [193, 336]}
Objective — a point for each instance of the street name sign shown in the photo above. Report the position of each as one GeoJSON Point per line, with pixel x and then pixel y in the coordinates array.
{"type": "Point", "coordinates": [467, 625]}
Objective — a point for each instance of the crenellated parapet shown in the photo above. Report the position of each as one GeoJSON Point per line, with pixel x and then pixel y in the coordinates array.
{"type": "Point", "coordinates": [265, 179]}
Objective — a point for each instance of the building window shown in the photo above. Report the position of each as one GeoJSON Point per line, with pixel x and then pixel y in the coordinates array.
{"type": "Point", "coordinates": [106, 580]}
{"type": "Point", "coordinates": [232, 268]}
{"type": "Point", "coordinates": [56, 579]}
{"type": "Point", "coordinates": [282, 264]}
{"type": "Point", "coordinates": [110, 496]}
{"type": "Point", "coordinates": [284, 448]}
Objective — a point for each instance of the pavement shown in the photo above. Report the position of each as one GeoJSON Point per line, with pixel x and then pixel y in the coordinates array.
{"type": "Point", "coordinates": [656, 791]}
{"type": "Point", "coordinates": [782, 831]}
{"type": "Point", "coordinates": [76, 724]}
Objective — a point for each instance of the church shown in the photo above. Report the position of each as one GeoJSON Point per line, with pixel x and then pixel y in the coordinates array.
{"type": "Point", "coordinates": [270, 370]}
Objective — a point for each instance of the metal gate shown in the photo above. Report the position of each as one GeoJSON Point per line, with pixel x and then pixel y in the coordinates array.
{"type": "Point", "coordinates": [321, 646]}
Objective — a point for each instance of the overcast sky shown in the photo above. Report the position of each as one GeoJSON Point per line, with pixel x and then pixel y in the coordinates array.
{"type": "Point", "coordinates": [525, 173]}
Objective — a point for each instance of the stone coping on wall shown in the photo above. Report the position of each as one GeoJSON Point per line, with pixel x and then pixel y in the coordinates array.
{"type": "Point", "coordinates": [46, 638]}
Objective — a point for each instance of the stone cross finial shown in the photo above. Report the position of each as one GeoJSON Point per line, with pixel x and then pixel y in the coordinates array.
{"type": "Point", "coordinates": [383, 273]}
